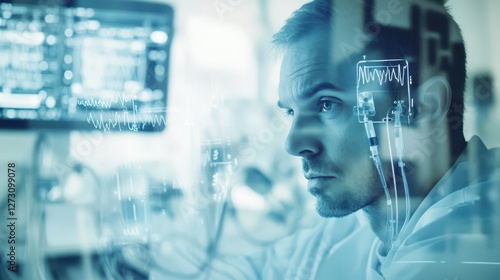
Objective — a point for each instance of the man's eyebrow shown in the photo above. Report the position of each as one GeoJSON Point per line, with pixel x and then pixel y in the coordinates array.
{"type": "Point", "coordinates": [313, 90]}
{"type": "Point", "coordinates": [319, 87]}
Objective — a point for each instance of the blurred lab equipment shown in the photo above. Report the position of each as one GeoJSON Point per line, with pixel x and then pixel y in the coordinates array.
{"type": "Point", "coordinates": [67, 66]}
{"type": "Point", "coordinates": [266, 200]}
{"type": "Point", "coordinates": [84, 64]}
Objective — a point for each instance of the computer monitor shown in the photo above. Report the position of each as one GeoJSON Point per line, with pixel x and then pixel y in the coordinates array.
{"type": "Point", "coordinates": [84, 64]}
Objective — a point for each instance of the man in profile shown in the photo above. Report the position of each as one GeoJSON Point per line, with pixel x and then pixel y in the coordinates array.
{"type": "Point", "coordinates": [453, 230]}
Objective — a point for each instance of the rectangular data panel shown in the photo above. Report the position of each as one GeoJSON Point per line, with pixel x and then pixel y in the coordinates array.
{"type": "Point", "coordinates": [84, 65]}
{"type": "Point", "coordinates": [384, 82]}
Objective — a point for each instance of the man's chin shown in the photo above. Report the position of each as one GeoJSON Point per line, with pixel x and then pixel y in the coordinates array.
{"type": "Point", "coordinates": [328, 208]}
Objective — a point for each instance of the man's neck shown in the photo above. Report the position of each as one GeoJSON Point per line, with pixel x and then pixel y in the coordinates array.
{"type": "Point", "coordinates": [376, 214]}
{"type": "Point", "coordinates": [421, 183]}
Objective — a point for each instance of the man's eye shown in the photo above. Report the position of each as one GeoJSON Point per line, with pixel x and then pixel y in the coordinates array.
{"type": "Point", "coordinates": [327, 106]}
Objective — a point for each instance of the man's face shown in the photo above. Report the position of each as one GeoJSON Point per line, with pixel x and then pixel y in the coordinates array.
{"type": "Point", "coordinates": [319, 97]}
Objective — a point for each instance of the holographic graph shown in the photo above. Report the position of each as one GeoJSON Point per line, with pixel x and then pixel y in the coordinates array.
{"type": "Point", "coordinates": [127, 116]}
{"type": "Point", "coordinates": [387, 81]}
{"type": "Point", "coordinates": [382, 74]}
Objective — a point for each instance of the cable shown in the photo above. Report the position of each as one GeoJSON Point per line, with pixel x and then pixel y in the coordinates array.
{"type": "Point", "coordinates": [399, 151]}
{"type": "Point", "coordinates": [211, 250]}
{"type": "Point", "coordinates": [394, 183]}
{"type": "Point", "coordinates": [367, 108]}
{"type": "Point", "coordinates": [372, 137]}
{"type": "Point", "coordinates": [37, 211]}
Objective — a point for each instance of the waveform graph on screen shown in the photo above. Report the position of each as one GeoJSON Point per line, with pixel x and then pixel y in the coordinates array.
{"type": "Point", "coordinates": [120, 111]}
{"type": "Point", "coordinates": [387, 81]}
{"type": "Point", "coordinates": [382, 74]}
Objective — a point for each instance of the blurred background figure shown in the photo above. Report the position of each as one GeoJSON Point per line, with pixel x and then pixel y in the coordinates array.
{"type": "Point", "coordinates": [267, 197]}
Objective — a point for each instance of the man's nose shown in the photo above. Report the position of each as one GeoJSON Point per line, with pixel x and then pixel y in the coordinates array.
{"type": "Point", "coordinates": [303, 138]}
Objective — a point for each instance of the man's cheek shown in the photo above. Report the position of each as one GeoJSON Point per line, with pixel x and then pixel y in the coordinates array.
{"type": "Point", "coordinates": [356, 151]}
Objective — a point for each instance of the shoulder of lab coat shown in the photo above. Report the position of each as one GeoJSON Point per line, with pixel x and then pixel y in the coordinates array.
{"type": "Point", "coordinates": [458, 236]}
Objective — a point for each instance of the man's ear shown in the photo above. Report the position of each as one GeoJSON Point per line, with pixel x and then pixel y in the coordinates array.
{"type": "Point", "coordinates": [433, 101]}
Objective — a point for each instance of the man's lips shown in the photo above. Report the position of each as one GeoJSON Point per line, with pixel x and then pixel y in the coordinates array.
{"type": "Point", "coordinates": [317, 184]}
{"type": "Point", "coordinates": [318, 177]}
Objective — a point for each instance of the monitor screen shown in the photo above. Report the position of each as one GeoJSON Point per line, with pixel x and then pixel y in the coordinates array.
{"type": "Point", "coordinates": [84, 65]}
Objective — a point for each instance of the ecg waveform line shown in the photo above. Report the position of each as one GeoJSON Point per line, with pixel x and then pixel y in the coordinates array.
{"type": "Point", "coordinates": [119, 97]}
{"type": "Point", "coordinates": [388, 73]}
{"type": "Point", "coordinates": [130, 121]}
{"type": "Point", "coordinates": [123, 118]}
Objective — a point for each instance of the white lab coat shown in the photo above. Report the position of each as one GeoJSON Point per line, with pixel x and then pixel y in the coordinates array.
{"type": "Point", "coordinates": [453, 234]}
